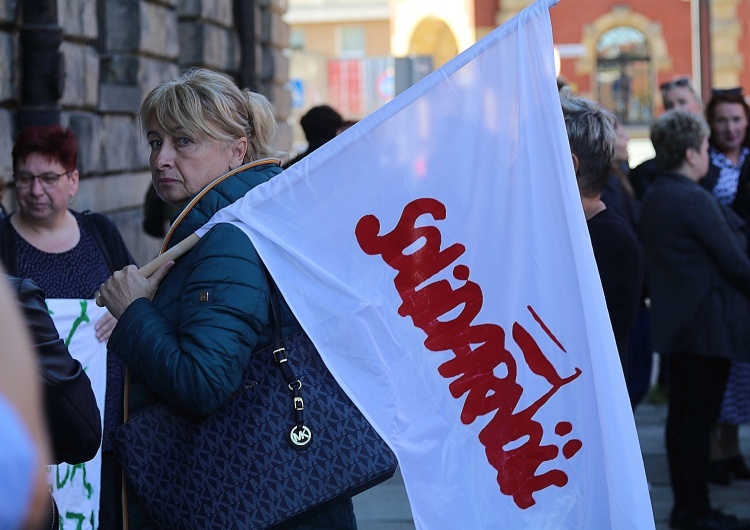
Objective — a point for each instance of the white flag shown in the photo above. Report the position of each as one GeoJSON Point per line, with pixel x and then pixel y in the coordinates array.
{"type": "Point", "coordinates": [437, 255]}
{"type": "Point", "coordinates": [77, 487]}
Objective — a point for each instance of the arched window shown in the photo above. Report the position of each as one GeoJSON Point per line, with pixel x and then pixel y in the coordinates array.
{"type": "Point", "coordinates": [623, 74]}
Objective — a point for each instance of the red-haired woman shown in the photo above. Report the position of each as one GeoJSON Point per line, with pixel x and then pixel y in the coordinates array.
{"type": "Point", "coordinates": [68, 255]}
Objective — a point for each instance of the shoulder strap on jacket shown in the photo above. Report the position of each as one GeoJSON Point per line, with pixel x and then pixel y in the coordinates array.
{"type": "Point", "coordinates": [94, 226]}
{"type": "Point", "coordinates": [8, 247]}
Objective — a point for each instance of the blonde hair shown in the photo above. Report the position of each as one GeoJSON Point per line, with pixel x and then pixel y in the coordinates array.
{"type": "Point", "coordinates": [209, 103]}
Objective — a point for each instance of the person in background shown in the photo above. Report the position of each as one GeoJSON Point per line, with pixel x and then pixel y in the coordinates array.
{"type": "Point", "coordinates": [182, 346]}
{"type": "Point", "coordinates": [156, 214]}
{"type": "Point", "coordinates": [676, 94]}
{"type": "Point", "coordinates": [592, 137]}
{"type": "Point", "coordinates": [25, 502]}
{"type": "Point", "coordinates": [618, 193]}
{"type": "Point", "coordinates": [619, 196]}
{"type": "Point", "coordinates": [320, 125]}
{"type": "Point", "coordinates": [728, 180]}
{"type": "Point", "coordinates": [68, 255]}
{"type": "Point", "coordinates": [345, 125]}
{"type": "Point", "coordinates": [698, 275]}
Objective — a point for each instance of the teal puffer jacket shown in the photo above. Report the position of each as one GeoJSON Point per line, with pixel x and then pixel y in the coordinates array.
{"type": "Point", "coordinates": [189, 345]}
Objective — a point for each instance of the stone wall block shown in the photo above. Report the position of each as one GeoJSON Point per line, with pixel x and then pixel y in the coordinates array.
{"type": "Point", "coordinates": [89, 131]}
{"type": "Point", "coordinates": [78, 17]}
{"type": "Point", "coordinates": [268, 64]}
{"type": "Point", "coordinates": [279, 31]}
{"type": "Point", "coordinates": [158, 31]}
{"type": "Point", "coordinates": [81, 75]}
{"type": "Point", "coordinates": [122, 36]}
{"type": "Point", "coordinates": [7, 126]}
{"type": "Point", "coordinates": [209, 45]}
{"type": "Point", "coordinates": [122, 69]}
{"type": "Point", "coordinates": [266, 26]}
{"type": "Point", "coordinates": [279, 6]}
{"type": "Point", "coordinates": [123, 147]}
{"type": "Point", "coordinates": [189, 8]}
{"type": "Point", "coordinates": [144, 248]}
{"type": "Point", "coordinates": [113, 192]}
{"type": "Point", "coordinates": [191, 42]}
{"type": "Point", "coordinates": [121, 99]}
{"type": "Point", "coordinates": [258, 18]}
{"type": "Point", "coordinates": [218, 11]}
{"type": "Point", "coordinates": [8, 50]}
{"type": "Point", "coordinates": [153, 72]}
{"type": "Point", "coordinates": [280, 66]}
{"type": "Point", "coordinates": [282, 101]}
{"type": "Point", "coordinates": [8, 10]}
{"type": "Point", "coordinates": [215, 43]}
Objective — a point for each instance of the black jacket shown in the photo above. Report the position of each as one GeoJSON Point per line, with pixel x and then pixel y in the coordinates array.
{"type": "Point", "coordinates": [741, 203]}
{"type": "Point", "coordinates": [698, 271]}
{"type": "Point", "coordinates": [72, 416]}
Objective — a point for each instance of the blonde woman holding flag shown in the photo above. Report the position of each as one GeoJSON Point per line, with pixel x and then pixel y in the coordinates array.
{"type": "Point", "coordinates": [187, 330]}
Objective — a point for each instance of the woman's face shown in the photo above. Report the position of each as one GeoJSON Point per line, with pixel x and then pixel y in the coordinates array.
{"type": "Point", "coordinates": [621, 145]}
{"type": "Point", "coordinates": [682, 98]}
{"type": "Point", "coordinates": [728, 127]}
{"type": "Point", "coordinates": [183, 164]}
{"type": "Point", "coordinates": [36, 202]}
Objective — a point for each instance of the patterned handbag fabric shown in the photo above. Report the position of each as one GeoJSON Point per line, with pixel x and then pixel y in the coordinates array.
{"type": "Point", "coordinates": [240, 467]}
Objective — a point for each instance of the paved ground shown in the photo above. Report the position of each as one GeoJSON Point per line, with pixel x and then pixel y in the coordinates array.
{"type": "Point", "coordinates": [386, 507]}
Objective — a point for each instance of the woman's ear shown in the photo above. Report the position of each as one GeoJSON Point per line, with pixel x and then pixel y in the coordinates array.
{"type": "Point", "coordinates": [691, 154]}
{"type": "Point", "coordinates": [237, 152]}
{"type": "Point", "coordinates": [74, 179]}
{"type": "Point", "coordinates": [575, 163]}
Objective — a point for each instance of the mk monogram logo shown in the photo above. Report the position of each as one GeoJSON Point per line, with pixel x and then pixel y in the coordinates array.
{"type": "Point", "coordinates": [300, 437]}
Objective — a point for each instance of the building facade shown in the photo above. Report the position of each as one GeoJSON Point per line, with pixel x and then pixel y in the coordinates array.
{"type": "Point", "coordinates": [617, 52]}
{"type": "Point", "coordinates": [88, 64]}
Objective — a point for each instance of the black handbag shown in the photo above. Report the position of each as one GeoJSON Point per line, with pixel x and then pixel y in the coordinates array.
{"type": "Point", "coordinates": [289, 441]}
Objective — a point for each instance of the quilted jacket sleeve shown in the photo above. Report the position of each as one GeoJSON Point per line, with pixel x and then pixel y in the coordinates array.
{"type": "Point", "coordinates": [191, 343]}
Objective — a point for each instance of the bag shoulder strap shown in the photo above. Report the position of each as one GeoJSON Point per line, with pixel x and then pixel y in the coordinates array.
{"type": "Point", "coordinates": [274, 314]}
{"type": "Point", "coordinates": [300, 436]}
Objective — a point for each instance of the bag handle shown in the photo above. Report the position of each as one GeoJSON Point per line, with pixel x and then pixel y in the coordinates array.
{"type": "Point", "coordinates": [300, 436]}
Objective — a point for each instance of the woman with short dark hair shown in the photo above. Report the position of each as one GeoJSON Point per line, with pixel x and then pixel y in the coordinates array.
{"type": "Point", "coordinates": [698, 274]}
{"type": "Point", "coordinates": [68, 254]}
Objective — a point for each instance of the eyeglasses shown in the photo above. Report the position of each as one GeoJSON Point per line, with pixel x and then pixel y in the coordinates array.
{"type": "Point", "coordinates": [727, 91]}
{"type": "Point", "coordinates": [24, 179]}
{"type": "Point", "coordinates": [680, 81]}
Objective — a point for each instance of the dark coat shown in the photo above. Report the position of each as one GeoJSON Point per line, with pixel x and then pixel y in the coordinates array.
{"type": "Point", "coordinates": [698, 271]}
{"type": "Point", "coordinates": [188, 346]}
{"type": "Point", "coordinates": [642, 176]}
{"type": "Point", "coordinates": [620, 264]}
{"type": "Point", "coordinates": [72, 416]}
{"type": "Point", "coordinates": [741, 203]}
